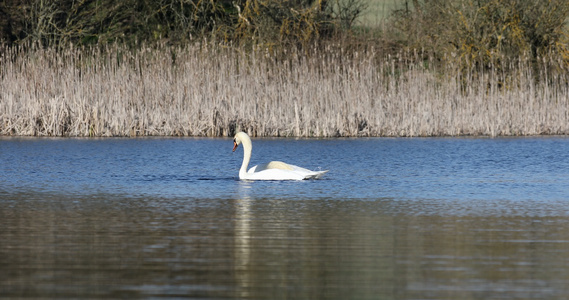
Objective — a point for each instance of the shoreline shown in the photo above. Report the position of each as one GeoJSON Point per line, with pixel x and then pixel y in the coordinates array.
{"type": "Point", "coordinates": [537, 136]}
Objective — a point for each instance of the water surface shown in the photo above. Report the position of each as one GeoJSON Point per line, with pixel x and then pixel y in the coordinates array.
{"type": "Point", "coordinates": [437, 218]}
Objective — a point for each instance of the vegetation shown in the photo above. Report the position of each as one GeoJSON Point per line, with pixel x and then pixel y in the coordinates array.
{"type": "Point", "coordinates": [58, 22]}
{"type": "Point", "coordinates": [212, 90]}
{"type": "Point", "coordinates": [283, 68]}
{"type": "Point", "coordinates": [483, 31]}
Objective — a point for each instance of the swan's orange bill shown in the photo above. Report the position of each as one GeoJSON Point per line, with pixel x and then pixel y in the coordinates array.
{"type": "Point", "coordinates": [234, 146]}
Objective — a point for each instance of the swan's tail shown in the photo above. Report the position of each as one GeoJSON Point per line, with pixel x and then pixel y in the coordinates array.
{"type": "Point", "coordinates": [315, 175]}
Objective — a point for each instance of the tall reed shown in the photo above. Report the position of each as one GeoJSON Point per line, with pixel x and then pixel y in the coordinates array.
{"type": "Point", "coordinates": [212, 90]}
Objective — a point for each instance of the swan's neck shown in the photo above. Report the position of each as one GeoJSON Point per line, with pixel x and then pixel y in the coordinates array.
{"type": "Point", "coordinates": [247, 149]}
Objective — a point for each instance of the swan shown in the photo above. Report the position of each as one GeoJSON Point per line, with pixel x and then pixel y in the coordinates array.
{"type": "Point", "coordinates": [274, 170]}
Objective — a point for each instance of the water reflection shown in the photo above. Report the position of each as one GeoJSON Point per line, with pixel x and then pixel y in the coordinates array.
{"type": "Point", "coordinates": [243, 246]}
{"type": "Point", "coordinates": [254, 248]}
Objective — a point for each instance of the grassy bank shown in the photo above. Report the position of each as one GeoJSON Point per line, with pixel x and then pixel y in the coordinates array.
{"type": "Point", "coordinates": [211, 90]}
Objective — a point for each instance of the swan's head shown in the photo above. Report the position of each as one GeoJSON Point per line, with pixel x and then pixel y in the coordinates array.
{"type": "Point", "coordinates": [239, 138]}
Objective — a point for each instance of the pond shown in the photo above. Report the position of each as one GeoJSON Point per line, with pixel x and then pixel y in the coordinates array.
{"type": "Point", "coordinates": [394, 218]}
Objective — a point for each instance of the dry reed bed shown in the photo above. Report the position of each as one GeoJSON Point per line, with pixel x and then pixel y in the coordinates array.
{"type": "Point", "coordinates": [214, 91]}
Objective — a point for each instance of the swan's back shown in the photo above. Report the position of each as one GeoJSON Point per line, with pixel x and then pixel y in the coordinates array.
{"type": "Point", "coordinates": [276, 165]}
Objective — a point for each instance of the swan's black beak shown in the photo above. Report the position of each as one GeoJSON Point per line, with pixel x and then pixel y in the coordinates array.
{"type": "Point", "coordinates": [234, 146]}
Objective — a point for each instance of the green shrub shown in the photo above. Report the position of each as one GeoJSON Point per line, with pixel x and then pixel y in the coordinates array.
{"type": "Point", "coordinates": [484, 31]}
{"type": "Point", "coordinates": [282, 22]}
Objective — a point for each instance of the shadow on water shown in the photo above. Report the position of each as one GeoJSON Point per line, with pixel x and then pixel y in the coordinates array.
{"type": "Point", "coordinates": [186, 178]}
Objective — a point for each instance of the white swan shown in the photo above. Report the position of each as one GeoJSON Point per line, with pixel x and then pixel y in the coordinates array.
{"type": "Point", "coordinates": [275, 170]}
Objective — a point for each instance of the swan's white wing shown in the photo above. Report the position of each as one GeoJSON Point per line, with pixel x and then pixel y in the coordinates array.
{"type": "Point", "coordinates": [277, 170]}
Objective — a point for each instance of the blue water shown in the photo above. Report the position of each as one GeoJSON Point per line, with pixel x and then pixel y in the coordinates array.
{"type": "Point", "coordinates": [394, 218]}
{"type": "Point", "coordinates": [445, 170]}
